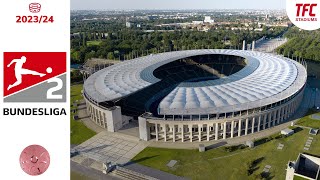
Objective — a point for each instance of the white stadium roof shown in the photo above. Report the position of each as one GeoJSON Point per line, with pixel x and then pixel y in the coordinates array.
{"type": "Point", "coordinates": [264, 80]}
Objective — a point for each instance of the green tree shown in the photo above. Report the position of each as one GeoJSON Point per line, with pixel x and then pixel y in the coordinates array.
{"type": "Point", "coordinates": [110, 55]}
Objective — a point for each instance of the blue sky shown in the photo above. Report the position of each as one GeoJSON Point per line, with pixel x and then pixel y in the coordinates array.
{"type": "Point", "coordinates": [176, 4]}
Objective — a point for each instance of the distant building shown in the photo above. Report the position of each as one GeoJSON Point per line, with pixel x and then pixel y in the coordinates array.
{"type": "Point", "coordinates": [153, 17]}
{"type": "Point", "coordinates": [128, 24]}
{"type": "Point", "coordinates": [207, 19]}
{"type": "Point", "coordinates": [205, 29]}
{"type": "Point", "coordinates": [258, 29]}
{"type": "Point", "coordinates": [197, 22]}
{"type": "Point", "coordinates": [267, 16]}
{"type": "Point", "coordinates": [74, 35]}
{"type": "Point", "coordinates": [305, 167]}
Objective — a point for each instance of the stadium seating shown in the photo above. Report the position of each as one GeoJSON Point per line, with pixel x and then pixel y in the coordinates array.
{"type": "Point", "coordinates": [192, 69]}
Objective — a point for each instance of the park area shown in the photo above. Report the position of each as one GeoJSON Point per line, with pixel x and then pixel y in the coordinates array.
{"type": "Point", "coordinates": [93, 43]}
{"type": "Point", "coordinates": [237, 162]}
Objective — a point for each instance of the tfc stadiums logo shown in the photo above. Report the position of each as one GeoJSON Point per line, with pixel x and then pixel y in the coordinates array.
{"type": "Point", "coordinates": [304, 13]}
{"type": "Point", "coordinates": [34, 77]}
{"type": "Point", "coordinates": [306, 8]}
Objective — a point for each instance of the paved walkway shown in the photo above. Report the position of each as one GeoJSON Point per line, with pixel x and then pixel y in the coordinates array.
{"type": "Point", "coordinates": [87, 158]}
{"type": "Point", "coordinates": [89, 172]}
{"type": "Point", "coordinates": [269, 45]}
{"type": "Point", "coordinates": [131, 129]}
{"type": "Point", "coordinates": [304, 127]}
{"type": "Point", "coordinates": [119, 147]}
{"type": "Point", "coordinates": [315, 117]}
{"type": "Point", "coordinates": [108, 147]}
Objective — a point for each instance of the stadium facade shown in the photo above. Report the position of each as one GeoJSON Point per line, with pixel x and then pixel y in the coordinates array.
{"type": "Point", "coordinates": [196, 95]}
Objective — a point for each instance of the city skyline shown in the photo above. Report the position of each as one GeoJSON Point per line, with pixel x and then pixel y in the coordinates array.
{"type": "Point", "coordinates": [175, 4]}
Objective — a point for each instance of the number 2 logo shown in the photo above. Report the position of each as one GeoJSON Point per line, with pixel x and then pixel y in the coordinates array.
{"type": "Point", "coordinates": [58, 87]}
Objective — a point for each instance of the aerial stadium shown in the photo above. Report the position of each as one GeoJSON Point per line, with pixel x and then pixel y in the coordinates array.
{"type": "Point", "coordinates": [196, 95]}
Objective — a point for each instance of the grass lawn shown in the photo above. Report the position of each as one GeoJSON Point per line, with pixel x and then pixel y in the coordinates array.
{"type": "Point", "coordinates": [93, 43]}
{"type": "Point", "coordinates": [79, 132]}
{"type": "Point", "coordinates": [299, 178]}
{"type": "Point", "coordinates": [77, 176]}
{"type": "Point", "coordinates": [308, 122]}
{"type": "Point", "coordinates": [219, 164]}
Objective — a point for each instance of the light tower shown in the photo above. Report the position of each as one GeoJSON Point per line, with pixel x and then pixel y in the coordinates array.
{"type": "Point", "coordinates": [244, 45]}
{"type": "Point", "coordinates": [253, 44]}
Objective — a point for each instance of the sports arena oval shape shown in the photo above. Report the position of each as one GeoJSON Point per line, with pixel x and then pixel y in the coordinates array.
{"type": "Point", "coordinates": [206, 94]}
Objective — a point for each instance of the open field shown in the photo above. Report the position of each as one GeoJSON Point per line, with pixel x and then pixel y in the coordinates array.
{"type": "Point", "coordinates": [93, 43]}
{"type": "Point", "coordinates": [220, 164]}
{"type": "Point", "coordinates": [79, 132]}
{"type": "Point", "coordinates": [309, 122]}
{"type": "Point", "coordinates": [299, 178]}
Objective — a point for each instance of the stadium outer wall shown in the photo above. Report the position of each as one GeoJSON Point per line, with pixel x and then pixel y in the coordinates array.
{"type": "Point", "coordinates": [110, 119]}
{"type": "Point", "coordinates": [158, 129]}
{"type": "Point", "coordinates": [215, 129]}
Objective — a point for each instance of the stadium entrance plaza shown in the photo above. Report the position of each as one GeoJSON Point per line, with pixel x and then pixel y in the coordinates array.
{"type": "Point", "coordinates": [107, 147]}
{"type": "Point", "coordinates": [120, 147]}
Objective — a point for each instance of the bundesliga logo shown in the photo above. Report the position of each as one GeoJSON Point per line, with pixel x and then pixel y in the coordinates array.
{"type": "Point", "coordinates": [34, 77]}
